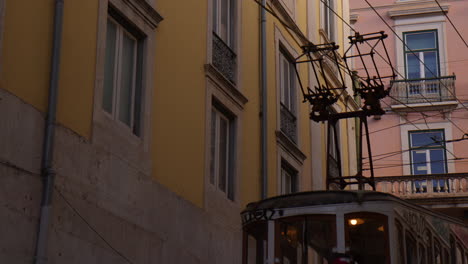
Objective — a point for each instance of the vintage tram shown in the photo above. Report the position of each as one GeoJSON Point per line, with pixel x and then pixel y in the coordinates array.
{"type": "Point", "coordinates": [364, 227]}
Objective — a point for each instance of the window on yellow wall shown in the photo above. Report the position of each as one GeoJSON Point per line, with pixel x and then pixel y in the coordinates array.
{"type": "Point", "coordinates": [288, 96]}
{"type": "Point", "coordinates": [224, 56]}
{"type": "Point", "coordinates": [222, 135]}
{"type": "Point", "coordinates": [289, 181]}
{"type": "Point", "coordinates": [327, 18]}
{"type": "Point", "coordinates": [122, 72]}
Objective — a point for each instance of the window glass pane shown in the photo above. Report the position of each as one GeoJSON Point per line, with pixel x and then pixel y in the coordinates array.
{"type": "Point", "coordinates": [292, 88]}
{"type": "Point", "coordinates": [419, 162]}
{"type": "Point", "coordinates": [321, 236]}
{"type": "Point", "coordinates": [224, 27]}
{"type": "Point", "coordinates": [215, 16]}
{"type": "Point", "coordinates": [413, 66]}
{"type": "Point", "coordinates": [421, 40]}
{"type": "Point", "coordinates": [411, 250]}
{"type": "Point", "coordinates": [366, 237]}
{"type": "Point", "coordinates": [286, 91]}
{"type": "Point", "coordinates": [232, 16]}
{"type": "Point", "coordinates": [109, 67]}
{"type": "Point", "coordinates": [223, 153]}
{"type": "Point", "coordinates": [291, 242]}
{"type": "Point", "coordinates": [427, 139]}
{"type": "Point", "coordinates": [432, 67]}
{"type": "Point", "coordinates": [127, 75]}
{"type": "Point", "coordinates": [437, 161]}
{"type": "Point", "coordinates": [213, 146]}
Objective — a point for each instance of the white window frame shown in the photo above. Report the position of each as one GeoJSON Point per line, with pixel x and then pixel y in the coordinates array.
{"type": "Point", "coordinates": [327, 18]}
{"type": "Point", "coordinates": [217, 115]}
{"type": "Point", "coordinates": [420, 54]}
{"type": "Point", "coordinates": [144, 19]}
{"type": "Point", "coordinates": [2, 28]}
{"type": "Point", "coordinates": [288, 95]}
{"type": "Point", "coordinates": [231, 26]}
{"type": "Point", "coordinates": [289, 178]}
{"type": "Point", "coordinates": [413, 24]}
{"type": "Point", "coordinates": [117, 84]}
{"type": "Point", "coordinates": [404, 135]}
{"type": "Point", "coordinates": [426, 150]}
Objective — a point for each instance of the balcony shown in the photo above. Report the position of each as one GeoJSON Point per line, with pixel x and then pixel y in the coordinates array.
{"type": "Point", "coordinates": [224, 59]}
{"type": "Point", "coordinates": [432, 93]}
{"type": "Point", "coordinates": [435, 189]}
{"type": "Point", "coordinates": [288, 124]}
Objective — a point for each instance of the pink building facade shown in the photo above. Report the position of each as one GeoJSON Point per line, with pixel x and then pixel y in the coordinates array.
{"type": "Point", "coordinates": [417, 147]}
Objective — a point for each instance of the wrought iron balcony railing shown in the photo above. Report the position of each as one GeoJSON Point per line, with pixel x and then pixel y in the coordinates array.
{"type": "Point", "coordinates": [425, 186]}
{"type": "Point", "coordinates": [428, 90]}
{"type": "Point", "coordinates": [288, 123]}
{"type": "Point", "coordinates": [224, 58]}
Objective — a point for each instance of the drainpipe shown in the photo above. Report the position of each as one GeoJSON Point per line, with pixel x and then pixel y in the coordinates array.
{"type": "Point", "coordinates": [264, 102]}
{"type": "Point", "coordinates": [47, 171]}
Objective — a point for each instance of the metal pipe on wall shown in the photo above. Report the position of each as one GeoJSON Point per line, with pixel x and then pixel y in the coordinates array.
{"type": "Point", "coordinates": [47, 171]}
{"type": "Point", "coordinates": [264, 102]}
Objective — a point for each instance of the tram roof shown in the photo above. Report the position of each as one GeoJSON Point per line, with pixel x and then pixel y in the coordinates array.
{"type": "Point", "coordinates": [312, 198]}
{"type": "Point", "coordinates": [316, 198]}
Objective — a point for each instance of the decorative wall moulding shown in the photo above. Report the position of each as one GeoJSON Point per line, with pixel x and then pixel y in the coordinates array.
{"type": "Point", "coordinates": [419, 9]}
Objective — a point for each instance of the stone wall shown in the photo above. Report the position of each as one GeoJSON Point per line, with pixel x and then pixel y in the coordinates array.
{"type": "Point", "coordinates": [95, 189]}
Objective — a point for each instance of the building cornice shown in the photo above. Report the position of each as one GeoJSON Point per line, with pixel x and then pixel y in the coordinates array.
{"type": "Point", "coordinates": [419, 9]}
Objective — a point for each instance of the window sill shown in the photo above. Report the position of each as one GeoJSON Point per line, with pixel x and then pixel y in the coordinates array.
{"type": "Point", "coordinates": [290, 147]}
{"type": "Point", "coordinates": [116, 138]}
{"type": "Point", "coordinates": [226, 86]}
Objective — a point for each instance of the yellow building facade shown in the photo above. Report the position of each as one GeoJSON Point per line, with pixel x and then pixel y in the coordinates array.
{"type": "Point", "coordinates": [167, 118]}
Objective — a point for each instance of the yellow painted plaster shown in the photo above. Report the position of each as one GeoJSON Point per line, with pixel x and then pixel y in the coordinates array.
{"type": "Point", "coordinates": [27, 50]}
{"type": "Point", "coordinates": [178, 118]}
{"type": "Point", "coordinates": [78, 66]}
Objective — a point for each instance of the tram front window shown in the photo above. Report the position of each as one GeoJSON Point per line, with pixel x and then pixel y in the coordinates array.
{"type": "Point", "coordinates": [307, 239]}
{"type": "Point", "coordinates": [255, 243]}
{"type": "Point", "coordinates": [367, 238]}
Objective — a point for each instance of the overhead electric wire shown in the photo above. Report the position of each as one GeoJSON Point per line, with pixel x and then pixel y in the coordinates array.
{"type": "Point", "coordinates": [454, 27]}
{"type": "Point", "coordinates": [416, 163]}
{"type": "Point", "coordinates": [396, 71]}
{"type": "Point", "coordinates": [295, 29]}
{"type": "Point", "coordinates": [389, 63]}
{"type": "Point", "coordinates": [301, 35]}
{"type": "Point", "coordinates": [91, 227]}
{"type": "Point", "coordinates": [406, 46]}
{"type": "Point", "coordinates": [393, 153]}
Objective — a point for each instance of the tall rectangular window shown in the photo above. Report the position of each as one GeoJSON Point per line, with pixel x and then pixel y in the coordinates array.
{"type": "Point", "coordinates": [224, 20]}
{"type": "Point", "coordinates": [288, 97]}
{"type": "Point", "coordinates": [288, 179]}
{"type": "Point", "coordinates": [224, 56]}
{"type": "Point", "coordinates": [222, 136]}
{"type": "Point", "coordinates": [421, 54]}
{"type": "Point", "coordinates": [122, 73]}
{"type": "Point", "coordinates": [327, 16]}
{"type": "Point", "coordinates": [427, 149]}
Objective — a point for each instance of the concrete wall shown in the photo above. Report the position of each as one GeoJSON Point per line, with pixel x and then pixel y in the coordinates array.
{"type": "Point", "coordinates": [140, 218]}
{"type": "Point", "coordinates": [149, 197]}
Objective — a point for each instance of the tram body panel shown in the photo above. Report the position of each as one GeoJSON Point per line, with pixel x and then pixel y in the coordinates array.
{"type": "Point", "coordinates": [377, 228]}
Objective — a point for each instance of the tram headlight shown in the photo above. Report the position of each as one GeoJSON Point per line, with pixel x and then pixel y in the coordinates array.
{"type": "Point", "coordinates": [353, 222]}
